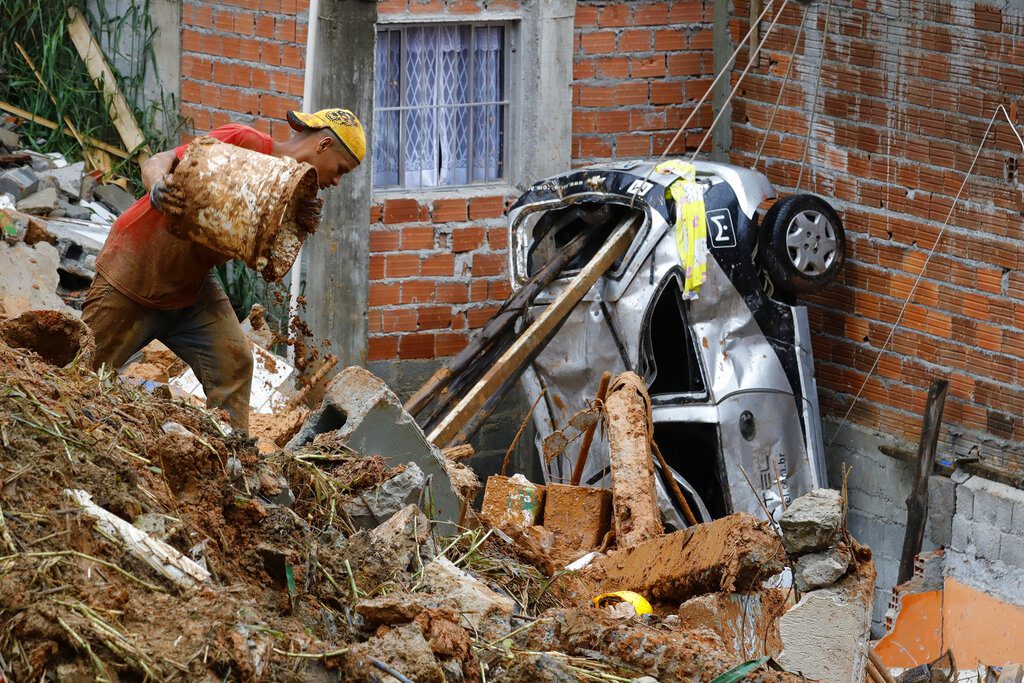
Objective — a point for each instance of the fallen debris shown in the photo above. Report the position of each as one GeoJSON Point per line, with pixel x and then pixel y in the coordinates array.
{"type": "Point", "coordinates": [736, 552]}
{"type": "Point", "coordinates": [812, 521]}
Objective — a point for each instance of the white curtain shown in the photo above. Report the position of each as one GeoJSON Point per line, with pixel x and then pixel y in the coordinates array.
{"type": "Point", "coordinates": [444, 133]}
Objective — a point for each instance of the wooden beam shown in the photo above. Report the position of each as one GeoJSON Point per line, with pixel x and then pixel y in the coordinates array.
{"type": "Point", "coordinates": [534, 336]}
{"type": "Point", "coordinates": [917, 501]}
{"type": "Point", "coordinates": [120, 113]}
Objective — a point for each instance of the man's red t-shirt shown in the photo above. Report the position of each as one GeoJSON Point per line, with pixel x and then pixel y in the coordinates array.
{"type": "Point", "coordinates": [148, 264]}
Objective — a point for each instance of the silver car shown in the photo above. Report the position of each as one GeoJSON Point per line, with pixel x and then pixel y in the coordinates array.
{"type": "Point", "coordinates": [730, 372]}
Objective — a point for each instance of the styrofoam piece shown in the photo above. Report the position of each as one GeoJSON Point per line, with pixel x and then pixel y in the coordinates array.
{"type": "Point", "coordinates": [265, 397]}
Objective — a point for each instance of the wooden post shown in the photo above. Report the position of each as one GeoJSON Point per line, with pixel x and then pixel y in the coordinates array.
{"type": "Point", "coordinates": [588, 436]}
{"type": "Point", "coordinates": [917, 501]}
{"type": "Point", "coordinates": [546, 323]}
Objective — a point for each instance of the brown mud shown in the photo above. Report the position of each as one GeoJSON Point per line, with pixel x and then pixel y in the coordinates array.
{"type": "Point", "coordinates": [56, 336]}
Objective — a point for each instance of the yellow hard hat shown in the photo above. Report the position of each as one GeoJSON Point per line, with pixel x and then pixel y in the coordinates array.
{"type": "Point", "coordinates": [635, 599]}
{"type": "Point", "coordinates": [342, 123]}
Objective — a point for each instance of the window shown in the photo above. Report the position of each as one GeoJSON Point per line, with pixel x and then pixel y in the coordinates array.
{"type": "Point", "coordinates": [440, 107]}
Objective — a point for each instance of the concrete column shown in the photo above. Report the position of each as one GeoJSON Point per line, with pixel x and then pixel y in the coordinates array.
{"type": "Point", "coordinates": [338, 274]}
{"type": "Point", "coordinates": [722, 47]}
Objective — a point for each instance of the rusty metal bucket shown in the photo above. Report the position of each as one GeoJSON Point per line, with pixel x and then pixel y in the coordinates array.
{"type": "Point", "coordinates": [243, 204]}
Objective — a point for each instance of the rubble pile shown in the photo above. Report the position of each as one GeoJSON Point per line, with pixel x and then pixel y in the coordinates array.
{"type": "Point", "coordinates": [54, 218]}
{"type": "Point", "coordinates": [141, 539]}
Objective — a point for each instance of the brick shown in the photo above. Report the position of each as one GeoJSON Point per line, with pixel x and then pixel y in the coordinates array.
{"type": "Point", "coordinates": [635, 40]}
{"type": "Point", "coordinates": [449, 344]}
{"type": "Point", "coordinates": [384, 240]}
{"type": "Point", "coordinates": [399, 320]}
{"type": "Point", "coordinates": [486, 207]}
{"type": "Point", "coordinates": [401, 265]}
{"type": "Point", "coordinates": [488, 264]}
{"type": "Point", "coordinates": [401, 210]}
{"type": "Point", "coordinates": [612, 67]}
{"type": "Point", "coordinates": [669, 40]}
{"type": "Point", "coordinates": [586, 16]}
{"type": "Point", "coordinates": [383, 294]}
{"type": "Point", "coordinates": [654, 14]}
{"type": "Point", "coordinates": [648, 67]}
{"type": "Point", "coordinates": [598, 42]}
{"type": "Point", "coordinates": [417, 291]}
{"type": "Point", "coordinates": [616, 15]}
{"type": "Point", "coordinates": [417, 238]}
{"type": "Point", "coordinates": [438, 265]}
{"type": "Point", "coordinates": [497, 238]}
{"type": "Point", "coordinates": [467, 239]}
{"type": "Point", "coordinates": [434, 317]}
{"type": "Point", "coordinates": [452, 293]}
{"type": "Point", "coordinates": [382, 348]}
{"type": "Point", "coordinates": [449, 210]}
{"type": "Point", "coordinates": [376, 268]}
{"type": "Point", "coordinates": [416, 346]}
{"type": "Point", "coordinates": [478, 317]}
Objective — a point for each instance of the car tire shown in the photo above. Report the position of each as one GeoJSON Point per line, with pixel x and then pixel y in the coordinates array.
{"type": "Point", "coordinates": [802, 244]}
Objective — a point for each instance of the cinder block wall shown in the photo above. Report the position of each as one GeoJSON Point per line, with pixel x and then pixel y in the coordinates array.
{"type": "Point", "coordinates": [904, 95]}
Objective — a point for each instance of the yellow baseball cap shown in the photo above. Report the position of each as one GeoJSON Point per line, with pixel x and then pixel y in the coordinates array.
{"type": "Point", "coordinates": [342, 123]}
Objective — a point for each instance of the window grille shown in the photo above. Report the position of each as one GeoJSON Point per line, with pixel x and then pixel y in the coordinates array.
{"type": "Point", "coordinates": [440, 107]}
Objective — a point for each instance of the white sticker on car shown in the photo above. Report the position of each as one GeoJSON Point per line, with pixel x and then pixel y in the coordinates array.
{"type": "Point", "coordinates": [720, 228]}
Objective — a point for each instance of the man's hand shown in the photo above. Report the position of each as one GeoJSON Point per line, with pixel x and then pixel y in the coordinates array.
{"type": "Point", "coordinates": [308, 213]}
{"type": "Point", "coordinates": [166, 198]}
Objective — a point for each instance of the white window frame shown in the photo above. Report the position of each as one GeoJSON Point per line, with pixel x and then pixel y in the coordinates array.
{"type": "Point", "coordinates": [508, 102]}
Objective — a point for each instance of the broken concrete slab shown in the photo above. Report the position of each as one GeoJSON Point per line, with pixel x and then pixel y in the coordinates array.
{"type": "Point", "coordinates": [29, 279]}
{"type": "Point", "coordinates": [74, 211]}
{"type": "Point", "coordinates": [747, 623]}
{"type": "Point", "coordinates": [635, 504]}
{"type": "Point", "coordinates": [10, 139]}
{"type": "Point", "coordinates": [811, 522]}
{"type": "Point", "coordinates": [393, 608]}
{"type": "Point", "coordinates": [19, 182]}
{"type": "Point", "coordinates": [485, 611]}
{"type": "Point", "coordinates": [68, 179]}
{"type": "Point", "coordinates": [734, 552]}
{"type": "Point", "coordinates": [821, 569]}
{"type": "Point", "coordinates": [367, 416]}
{"type": "Point", "coordinates": [1012, 673]}
{"type": "Point", "coordinates": [40, 203]}
{"type": "Point", "coordinates": [825, 636]}
{"type": "Point", "coordinates": [369, 509]}
{"type": "Point", "coordinates": [114, 198]}
{"type": "Point", "coordinates": [513, 501]}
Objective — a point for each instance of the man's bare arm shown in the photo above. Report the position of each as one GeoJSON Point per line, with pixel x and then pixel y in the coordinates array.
{"type": "Point", "coordinates": [157, 166]}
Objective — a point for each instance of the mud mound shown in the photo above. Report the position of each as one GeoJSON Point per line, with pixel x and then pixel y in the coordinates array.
{"type": "Point", "coordinates": [56, 336]}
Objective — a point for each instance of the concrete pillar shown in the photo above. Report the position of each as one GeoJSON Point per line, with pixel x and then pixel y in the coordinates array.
{"type": "Point", "coordinates": [338, 274]}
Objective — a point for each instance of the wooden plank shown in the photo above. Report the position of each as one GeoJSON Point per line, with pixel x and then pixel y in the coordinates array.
{"type": "Point", "coordinates": [120, 113]}
{"type": "Point", "coordinates": [533, 337]}
{"type": "Point", "coordinates": [47, 123]}
{"type": "Point", "coordinates": [917, 501]}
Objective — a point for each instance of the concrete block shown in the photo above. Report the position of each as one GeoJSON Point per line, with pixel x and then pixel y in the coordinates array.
{"type": "Point", "coordinates": [371, 508]}
{"type": "Point", "coordinates": [818, 570]}
{"type": "Point", "coordinates": [512, 500]}
{"type": "Point", "coordinates": [964, 502]}
{"type": "Point", "coordinates": [28, 278]}
{"type": "Point", "coordinates": [960, 538]}
{"type": "Point", "coordinates": [986, 541]}
{"type": "Point", "coordinates": [811, 521]}
{"type": "Point", "coordinates": [75, 211]}
{"type": "Point", "coordinates": [578, 515]}
{"type": "Point", "coordinates": [113, 197]}
{"type": "Point", "coordinates": [1011, 550]}
{"type": "Point", "coordinates": [18, 182]}
{"type": "Point", "coordinates": [40, 203]}
{"type": "Point", "coordinates": [68, 179]}
{"type": "Point", "coordinates": [367, 416]}
{"type": "Point", "coordinates": [1012, 673]}
{"type": "Point", "coordinates": [1018, 518]}
{"type": "Point", "coordinates": [994, 502]}
{"type": "Point", "coordinates": [487, 612]}
{"type": "Point", "coordinates": [10, 139]}
{"type": "Point", "coordinates": [825, 635]}
{"type": "Point", "coordinates": [941, 506]}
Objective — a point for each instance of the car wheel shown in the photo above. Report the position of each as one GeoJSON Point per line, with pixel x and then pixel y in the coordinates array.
{"type": "Point", "coordinates": [802, 244]}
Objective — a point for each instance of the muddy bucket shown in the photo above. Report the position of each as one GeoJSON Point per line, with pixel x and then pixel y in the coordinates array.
{"type": "Point", "coordinates": [56, 336]}
{"type": "Point", "coordinates": [243, 204]}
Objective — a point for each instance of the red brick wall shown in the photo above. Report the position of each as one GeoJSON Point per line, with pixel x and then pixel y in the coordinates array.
{"type": "Point", "coordinates": [907, 90]}
{"type": "Point", "coordinates": [242, 61]}
{"type": "Point", "coordinates": [438, 266]}
{"type": "Point", "coordinates": [639, 69]}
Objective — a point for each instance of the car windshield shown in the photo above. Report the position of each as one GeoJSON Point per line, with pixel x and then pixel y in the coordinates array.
{"type": "Point", "coordinates": [551, 230]}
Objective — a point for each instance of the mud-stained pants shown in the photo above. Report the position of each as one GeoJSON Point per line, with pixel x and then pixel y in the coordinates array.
{"type": "Point", "coordinates": [206, 335]}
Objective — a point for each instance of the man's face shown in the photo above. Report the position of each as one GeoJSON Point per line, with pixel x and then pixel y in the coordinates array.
{"type": "Point", "coordinates": [330, 159]}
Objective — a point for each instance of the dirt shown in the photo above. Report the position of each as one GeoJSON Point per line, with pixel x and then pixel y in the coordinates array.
{"type": "Point", "coordinates": [158, 364]}
{"type": "Point", "coordinates": [57, 337]}
{"type": "Point", "coordinates": [627, 411]}
{"type": "Point", "coordinates": [273, 430]}
{"type": "Point", "coordinates": [579, 516]}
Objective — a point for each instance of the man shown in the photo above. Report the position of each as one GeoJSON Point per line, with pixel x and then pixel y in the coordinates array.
{"type": "Point", "coordinates": [152, 285]}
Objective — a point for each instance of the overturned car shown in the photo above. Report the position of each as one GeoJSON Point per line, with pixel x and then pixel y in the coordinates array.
{"type": "Point", "coordinates": [728, 368]}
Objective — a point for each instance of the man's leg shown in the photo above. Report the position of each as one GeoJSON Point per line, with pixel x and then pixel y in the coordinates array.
{"type": "Point", "coordinates": [121, 326]}
{"type": "Point", "coordinates": [208, 337]}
